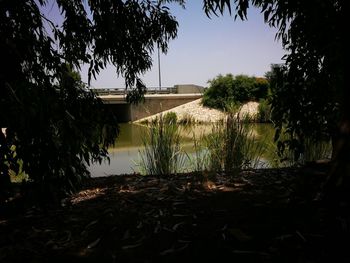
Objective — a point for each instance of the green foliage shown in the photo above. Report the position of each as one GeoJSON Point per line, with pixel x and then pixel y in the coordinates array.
{"type": "Point", "coordinates": [228, 89]}
{"type": "Point", "coordinates": [231, 147]}
{"type": "Point", "coordinates": [316, 150]}
{"type": "Point", "coordinates": [199, 160]}
{"type": "Point", "coordinates": [162, 155]}
{"type": "Point", "coordinates": [170, 118]}
{"type": "Point", "coordinates": [264, 111]}
{"type": "Point", "coordinates": [56, 124]}
{"type": "Point", "coordinates": [187, 119]}
{"type": "Point", "coordinates": [261, 88]}
{"type": "Point", "coordinates": [310, 151]}
{"type": "Point", "coordinates": [219, 93]}
{"type": "Point", "coordinates": [300, 110]}
{"type": "Point", "coordinates": [309, 92]}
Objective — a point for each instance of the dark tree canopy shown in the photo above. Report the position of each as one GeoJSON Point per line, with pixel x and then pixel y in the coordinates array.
{"type": "Point", "coordinates": [312, 98]}
{"type": "Point", "coordinates": [55, 126]}
{"type": "Point", "coordinates": [53, 123]}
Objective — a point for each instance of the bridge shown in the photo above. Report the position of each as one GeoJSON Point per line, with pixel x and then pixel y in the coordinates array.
{"type": "Point", "coordinates": [155, 101]}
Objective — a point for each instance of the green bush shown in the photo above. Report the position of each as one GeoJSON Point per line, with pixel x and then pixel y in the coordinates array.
{"type": "Point", "coordinates": [243, 88]}
{"type": "Point", "coordinates": [219, 92]}
{"type": "Point", "coordinates": [264, 111]}
{"type": "Point", "coordinates": [261, 88]}
{"type": "Point", "coordinates": [228, 89]}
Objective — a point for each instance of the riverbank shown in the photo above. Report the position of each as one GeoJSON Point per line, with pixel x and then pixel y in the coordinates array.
{"type": "Point", "coordinates": [195, 112]}
{"type": "Point", "coordinates": [263, 215]}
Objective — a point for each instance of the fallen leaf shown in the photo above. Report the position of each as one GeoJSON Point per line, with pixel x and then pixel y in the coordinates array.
{"type": "Point", "coordinates": [176, 226]}
{"type": "Point", "coordinates": [94, 243]}
{"type": "Point", "coordinates": [239, 234]}
{"type": "Point", "coordinates": [132, 246]}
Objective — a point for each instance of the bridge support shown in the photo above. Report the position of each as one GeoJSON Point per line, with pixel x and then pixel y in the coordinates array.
{"type": "Point", "coordinates": [153, 104]}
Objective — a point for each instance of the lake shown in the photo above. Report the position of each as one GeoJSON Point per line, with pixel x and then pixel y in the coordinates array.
{"type": "Point", "coordinates": [124, 155]}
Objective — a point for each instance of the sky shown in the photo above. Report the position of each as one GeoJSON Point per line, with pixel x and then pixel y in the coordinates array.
{"type": "Point", "coordinates": [205, 48]}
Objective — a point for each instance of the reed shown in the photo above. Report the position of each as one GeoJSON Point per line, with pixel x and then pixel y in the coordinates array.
{"type": "Point", "coordinates": [231, 147]}
{"type": "Point", "coordinates": [198, 161]}
{"type": "Point", "coordinates": [162, 155]}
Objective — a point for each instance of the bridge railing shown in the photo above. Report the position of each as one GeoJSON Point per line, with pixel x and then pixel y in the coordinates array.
{"type": "Point", "coordinates": [167, 90]}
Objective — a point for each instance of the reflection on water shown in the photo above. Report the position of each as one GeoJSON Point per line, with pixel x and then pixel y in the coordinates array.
{"type": "Point", "coordinates": [124, 155]}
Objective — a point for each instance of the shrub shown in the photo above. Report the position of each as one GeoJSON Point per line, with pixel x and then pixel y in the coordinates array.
{"type": "Point", "coordinates": [219, 92]}
{"type": "Point", "coordinates": [261, 88]}
{"type": "Point", "coordinates": [243, 88]}
{"type": "Point", "coordinates": [224, 90]}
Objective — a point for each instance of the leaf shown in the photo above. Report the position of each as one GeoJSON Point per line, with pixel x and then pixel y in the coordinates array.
{"type": "Point", "coordinates": [126, 234]}
{"type": "Point", "coordinates": [176, 226]}
{"type": "Point", "coordinates": [94, 243]}
{"type": "Point", "coordinates": [173, 250]}
{"type": "Point", "coordinates": [132, 246]}
{"type": "Point", "coordinates": [239, 234]}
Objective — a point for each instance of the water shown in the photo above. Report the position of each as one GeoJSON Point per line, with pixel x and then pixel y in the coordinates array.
{"type": "Point", "coordinates": [124, 155]}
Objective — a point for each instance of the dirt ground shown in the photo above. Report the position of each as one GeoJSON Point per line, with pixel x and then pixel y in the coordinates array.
{"type": "Point", "coordinates": [268, 215]}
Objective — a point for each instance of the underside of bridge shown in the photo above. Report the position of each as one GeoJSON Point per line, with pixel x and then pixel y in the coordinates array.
{"type": "Point", "coordinates": [152, 104]}
{"type": "Point", "coordinates": [121, 111]}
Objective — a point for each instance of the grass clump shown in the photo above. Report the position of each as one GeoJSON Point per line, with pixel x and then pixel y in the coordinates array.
{"type": "Point", "coordinates": [264, 111]}
{"type": "Point", "coordinates": [169, 118]}
{"type": "Point", "coordinates": [162, 155]}
{"type": "Point", "coordinates": [231, 147]}
{"type": "Point", "coordinates": [198, 161]}
{"type": "Point", "coordinates": [187, 119]}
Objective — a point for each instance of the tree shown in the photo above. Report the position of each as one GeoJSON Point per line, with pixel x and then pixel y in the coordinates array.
{"type": "Point", "coordinates": [219, 94]}
{"type": "Point", "coordinates": [54, 124]}
{"type": "Point", "coordinates": [224, 90]}
{"type": "Point", "coordinates": [305, 112]}
{"type": "Point", "coordinates": [312, 32]}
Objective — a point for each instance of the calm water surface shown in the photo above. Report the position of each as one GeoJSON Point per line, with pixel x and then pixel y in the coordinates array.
{"type": "Point", "coordinates": [124, 155]}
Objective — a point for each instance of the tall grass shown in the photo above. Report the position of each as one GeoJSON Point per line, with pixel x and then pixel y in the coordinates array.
{"type": "Point", "coordinates": [232, 147]}
{"type": "Point", "coordinates": [162, 155]}
{"type": "Point", "coordinates": [264, 111]}
{"type": "Point", "coordinates": [309, 150]}
{"type": "Point", "coordinates": [316, 150]}
{"type": "Point", "coordinates": [187, 119]}
{"type": "Point", "coordinates": [198, 161]}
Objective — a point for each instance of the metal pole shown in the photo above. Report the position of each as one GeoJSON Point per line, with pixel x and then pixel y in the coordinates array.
{"type": "Point", "coordinates": [159, 76]}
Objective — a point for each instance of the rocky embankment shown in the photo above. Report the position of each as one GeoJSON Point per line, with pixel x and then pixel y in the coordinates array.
{"type": "Point", "coordinates": [196, 112]}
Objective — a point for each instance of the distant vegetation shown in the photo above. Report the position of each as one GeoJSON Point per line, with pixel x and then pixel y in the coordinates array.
{"type": "Point", "coordinates": [229, 89]}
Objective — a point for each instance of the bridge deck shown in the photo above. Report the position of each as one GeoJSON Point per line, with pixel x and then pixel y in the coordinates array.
{"type": "Point", "coordinates": [122, 98]}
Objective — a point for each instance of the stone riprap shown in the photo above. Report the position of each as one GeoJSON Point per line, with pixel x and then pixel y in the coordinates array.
{"type": "Point", "coordinates": [196, 112]}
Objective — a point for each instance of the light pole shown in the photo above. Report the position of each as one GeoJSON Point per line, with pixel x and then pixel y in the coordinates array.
{"type": "Point", "coordinates": [159, 76]}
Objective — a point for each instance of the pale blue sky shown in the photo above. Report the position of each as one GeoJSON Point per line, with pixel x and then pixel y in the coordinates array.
{"type": "Point", "coordinates": [205, 48]}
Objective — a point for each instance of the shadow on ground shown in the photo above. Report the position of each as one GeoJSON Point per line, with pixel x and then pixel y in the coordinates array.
{"type": "Point", "coordinates": [267, 215]}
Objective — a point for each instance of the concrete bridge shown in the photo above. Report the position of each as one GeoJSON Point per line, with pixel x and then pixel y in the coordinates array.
{"type": "Point", "coordinates": [154, 102]}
